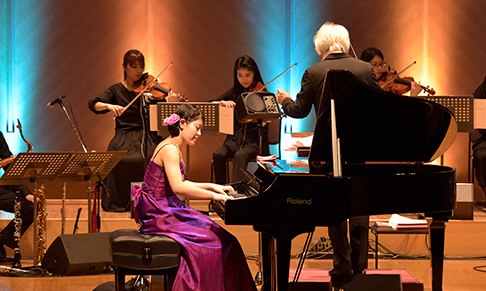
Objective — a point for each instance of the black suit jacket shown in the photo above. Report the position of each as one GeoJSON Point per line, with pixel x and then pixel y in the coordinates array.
{"type": "Point", "coordinates": [313, 80]}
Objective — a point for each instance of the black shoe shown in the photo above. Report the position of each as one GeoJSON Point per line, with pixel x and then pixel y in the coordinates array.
{"type": "Point", "coordinates": [333, 272]}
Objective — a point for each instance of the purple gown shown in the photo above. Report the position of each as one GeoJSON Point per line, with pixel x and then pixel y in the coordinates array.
{"type": "Point", "coordinates": [211, 257]}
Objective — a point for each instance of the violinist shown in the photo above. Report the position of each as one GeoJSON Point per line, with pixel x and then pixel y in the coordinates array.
{"type": "Point", "coordinates": [375, 57]}
{"type": "Point", "coordinates": [243, 144]}
{"type": "Point", "coordinates": [131, 133]}
{"type": "Point", "coordinates": [479, 145]}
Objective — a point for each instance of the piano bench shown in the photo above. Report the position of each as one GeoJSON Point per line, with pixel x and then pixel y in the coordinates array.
{"type": "Point", "coordinates": [376, 229]}
{"type": "Point", "coordinates": [134, 253]}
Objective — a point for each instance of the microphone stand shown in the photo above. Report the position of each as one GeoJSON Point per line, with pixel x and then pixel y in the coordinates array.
{"type": "Point", "coordinates": [85, 150]}
{"type": "Point", "coordinates": [73, 126]}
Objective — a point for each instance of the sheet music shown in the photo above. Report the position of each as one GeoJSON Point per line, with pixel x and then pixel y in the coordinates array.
{"type": "Point", "coordinates": [480, 113]}
{"type": "Point", "coordinates": [336, 151]}
{"type": "Point", "coordinates": [226, 120]}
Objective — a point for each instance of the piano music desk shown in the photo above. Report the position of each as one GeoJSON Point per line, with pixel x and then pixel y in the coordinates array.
{"type": "Point", "coordinates": [377, 229]}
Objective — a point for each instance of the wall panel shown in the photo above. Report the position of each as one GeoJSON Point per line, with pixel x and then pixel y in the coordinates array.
{"type": "Point", "coordinates": [75, 48]}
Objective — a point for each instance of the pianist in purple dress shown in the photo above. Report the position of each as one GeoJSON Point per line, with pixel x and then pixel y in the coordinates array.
{"type": "Point", "coordinates": [332, 44]}
{"type": "Point", "coordinates": [212, 258]}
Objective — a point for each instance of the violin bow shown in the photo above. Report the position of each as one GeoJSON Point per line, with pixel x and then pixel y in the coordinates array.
{"type": "Point", "coordinates": [396, 76]}
{"type": "Point", "coordinates": [261, 89]}
{"type": "Point", "coordinates": [352, 49]}
{"type": "Point", "coordinates": [148, 85]}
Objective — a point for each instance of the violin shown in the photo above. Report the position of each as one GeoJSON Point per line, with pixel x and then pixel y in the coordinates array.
{"type": "Point", "coordinates": [159, 91]}
{"type": "Point", "coordinates": [391, 82]}
{"type": "Point", "coordinates": [257, 86]}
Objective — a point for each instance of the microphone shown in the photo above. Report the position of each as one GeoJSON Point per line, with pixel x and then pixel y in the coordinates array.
{"type": "Point", "coordinates": [57, 100]}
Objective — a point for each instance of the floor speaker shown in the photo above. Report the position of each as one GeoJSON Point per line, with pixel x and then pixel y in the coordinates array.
{"type": "Point", "coordinates": [79, 254]}
{"type": "Point", "coordinates": [363, 282]}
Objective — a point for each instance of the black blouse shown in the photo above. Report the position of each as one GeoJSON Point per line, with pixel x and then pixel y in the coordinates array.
{"type": "Point", "coordinates": [118, 94]}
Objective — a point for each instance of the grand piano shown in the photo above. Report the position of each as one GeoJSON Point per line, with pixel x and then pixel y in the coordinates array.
{"type": "Point", "coordinates": [385, 142]}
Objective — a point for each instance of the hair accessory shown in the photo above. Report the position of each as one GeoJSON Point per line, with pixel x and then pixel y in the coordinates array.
{"type": "Point", "coordinates": [171, 120]}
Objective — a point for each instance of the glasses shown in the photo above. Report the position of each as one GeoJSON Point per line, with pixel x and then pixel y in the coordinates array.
{"type": "Point", "coordinates": [382, 64]}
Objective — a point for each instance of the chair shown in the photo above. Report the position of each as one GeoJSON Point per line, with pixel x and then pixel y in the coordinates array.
{"type": "Point", "coordinates": [274, 131]}
{"type": "Point", "coordinates": [143, 254]}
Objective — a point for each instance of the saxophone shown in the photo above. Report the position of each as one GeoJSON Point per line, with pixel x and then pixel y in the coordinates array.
{"type": "Point", "coordinates": [6, 161]}
{"type": "Point", "coordinates": [17, 205]}
{"type": "Point", "coordinates": [41, 224]}
{"type": "Point", "coordinates": [17, 233]}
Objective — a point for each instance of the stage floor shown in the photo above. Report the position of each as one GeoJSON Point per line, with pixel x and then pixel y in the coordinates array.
{"type": "Point", "coordinates": [464, 266]}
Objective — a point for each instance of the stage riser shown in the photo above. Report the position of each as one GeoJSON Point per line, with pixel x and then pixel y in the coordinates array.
{"type": "Point", "coordinates": [458, 242]}
{"type": "Point", "coordinates": [54, 230]}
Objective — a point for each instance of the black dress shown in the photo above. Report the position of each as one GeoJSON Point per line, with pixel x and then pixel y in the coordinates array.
{"type": "Point", "coordinates": [242, 146]}
{"type": "Point", "coordinates": [131, 134]}
{"type": "Point", "coordinates": [479, 146]}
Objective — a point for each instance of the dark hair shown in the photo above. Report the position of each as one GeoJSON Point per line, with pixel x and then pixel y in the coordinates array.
{"type": "Point", "coordinates": [187, 112]}
{"type": "Point", "coordinates": [249, 63]}
{"type": "Point", "coordinates": [369, 53]}
{"type": "Point", "coordinates": [132, 57]}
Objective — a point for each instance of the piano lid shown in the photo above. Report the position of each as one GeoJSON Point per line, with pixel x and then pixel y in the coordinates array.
{"type": "Point", "coordinates": [377, 126]}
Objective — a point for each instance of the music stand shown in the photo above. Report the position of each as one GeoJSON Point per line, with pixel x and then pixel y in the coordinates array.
{"type": "Point", "coordinates": [87, 166]}
{"type": "Point", "coordinates": [64, 166]}
{"type": "Point", "coordinates": [31, 168]}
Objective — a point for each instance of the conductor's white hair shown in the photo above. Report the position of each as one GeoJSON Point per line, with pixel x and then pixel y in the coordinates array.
{"type": "Point", "coordinates": [331, 38]}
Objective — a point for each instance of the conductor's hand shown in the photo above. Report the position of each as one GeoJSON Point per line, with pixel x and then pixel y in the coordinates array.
{"type": "Point", "coordinates": [281, 95]}
{"type": "Point", "coordinates": [116, 109]}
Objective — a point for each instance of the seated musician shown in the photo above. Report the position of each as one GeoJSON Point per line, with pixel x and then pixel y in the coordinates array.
{"type": "Point", "coordinates": [243, 145]}
{"type": "Point", "coordinates": [211, 258]}
{"type": "Point", "coordinates": [375, 57]}
{"type": "Point", "coordinates": [7, 201]}
{"type": "Point", "coordinates": [479, 146]}
{"type": "Point", "coordinates": [130, 132]}
{"type": "Point", "coordinates": [332, 44]}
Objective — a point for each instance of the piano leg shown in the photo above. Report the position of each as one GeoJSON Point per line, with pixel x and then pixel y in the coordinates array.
{"type": "Point", "coordinates": [437, 236]}
{"type": "Point", "coordinates": [283, 263]}
{"type": "Point", "coordinates": [283, 237]}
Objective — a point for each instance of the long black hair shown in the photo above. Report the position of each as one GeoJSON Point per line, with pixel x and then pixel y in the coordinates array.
{"type": "Point", "coordinates": [187, 112]}
{"type": "Point", "coordinates": [132, 57]}
{"type": "Point", "coordinates": [368, 54]}
{"type": "Point", "coordinates": [245, 62]}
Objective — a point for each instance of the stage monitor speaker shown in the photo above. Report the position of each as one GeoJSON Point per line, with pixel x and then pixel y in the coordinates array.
{"type": "Point", "coordinates": [255, 107]}
{"type": "Point", "coordinates": [79, 254]}
{"type": "Point", "coordinates": [363, 282]}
